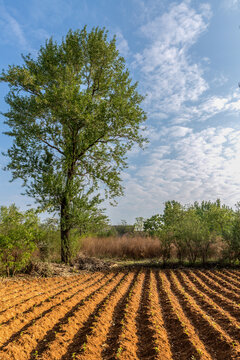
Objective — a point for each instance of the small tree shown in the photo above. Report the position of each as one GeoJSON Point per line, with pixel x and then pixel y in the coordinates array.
{"type": "Point", "coordinates": [17, 234]}
{"type": "Point", "coordinates": [217, 217]}
{"type": "Point", "coordinates": [153, 225]}
{"type": "Point", "coordinates": [139, 224]}
{"type": "Point", "coordinates": [231, 236]}
{"type": "Point", "coordinates": [74, 113]}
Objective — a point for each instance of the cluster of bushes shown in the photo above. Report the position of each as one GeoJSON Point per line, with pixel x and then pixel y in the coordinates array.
{"type": "Point", "coordinates": [25, 241]}
{"type": "Point", "coordinates": [23, 237]}
{"type": "Point", "coordinates": [198, 232]}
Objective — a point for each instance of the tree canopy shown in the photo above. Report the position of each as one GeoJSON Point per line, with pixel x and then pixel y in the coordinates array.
{"type": "Point", "coordinates": [74, 112]}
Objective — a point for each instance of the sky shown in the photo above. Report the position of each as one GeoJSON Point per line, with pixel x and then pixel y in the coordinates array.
{"type": "Point", "coordinates": [186, 57]}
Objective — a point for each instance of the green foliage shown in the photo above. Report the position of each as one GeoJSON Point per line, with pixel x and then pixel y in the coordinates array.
{"type": "Point", "coordinates": [193, 230]}
{"type": "Point", "coordinates": [166, 239]}
{"type": "Point", "coordinates": [232, 237]}
{"type": "Point", "coordinates": [18, 232]}
{"type": "Point", "coordinates": [107, 231]}
{"type": "Point", "coordinates": [217, 217]}
{"type": "Point", "coordinates": [124, 228]}
{"type": "Point", "coordinates": [153, 225]}
{"type": "Point", "coordinates": [48, 241]}
{"type": "Point", "coordinates": [73, 115]}
{"type": "Point", "coordinates": [172, 213]}
{"type": "Point", "coordinates": [192, 236]}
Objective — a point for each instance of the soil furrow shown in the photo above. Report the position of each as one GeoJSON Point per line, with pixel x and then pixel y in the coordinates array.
{"type": "Point", "coordinates": [20, 300]}
{"type": "Point", "coordinates": [146, 345]}
{"type": "Point", "coordinates": [232, 276]}
{"type": "Point", "coordinates": [32, 304]}
{"type": "Point", "coordinates": [128, 339]}
{"type": "Point", "coordinates": [219, 280]}
{"type": "Point", "coordinates": [10, 287]}
{"type": "Point", "coordinates": [53, 311]}
{"type": "Point", "coordinates": [220, 290]}
{"type": "Point", "coordinates": [228, 278]}
{"type": "Point", "coordinates": [59, 340]}
{"type": "Point", "coordinates": [219, 344]}
{"type": "Point", "coordinates": [24, 291]}
{"type": "Point", "coordinates": [226, 321]}
{"type": "Point", "coordinates": [12, 311]}
{"type": "Point", "coordinates": [182, 338]}
{"type": "Point", "coordinates": [233, 273]}
{"type": "Point", "coordinates": [122, 315]}
{"type": "Point", "coordinates": [112, 338]}
{"type": "Point", "coordinates": [160, 336]}
{"type": "Point", "coordinates": [90, 339]}
{"type": "Point", "coordinates": [222, 301]}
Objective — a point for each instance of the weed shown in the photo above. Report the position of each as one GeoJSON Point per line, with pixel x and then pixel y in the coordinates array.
{"type": "Point", "coordinates": [119, 351]}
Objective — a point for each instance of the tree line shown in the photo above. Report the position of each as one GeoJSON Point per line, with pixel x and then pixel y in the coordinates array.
{"type": "Point", "coordinates": [198, 231]}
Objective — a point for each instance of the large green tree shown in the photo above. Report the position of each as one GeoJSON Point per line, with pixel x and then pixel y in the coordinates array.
{"type": "Point", "coordinates": [74, 112]}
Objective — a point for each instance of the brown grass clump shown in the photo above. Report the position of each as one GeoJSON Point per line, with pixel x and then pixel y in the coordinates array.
{"type": "Point", "coordinates": [123, 247]}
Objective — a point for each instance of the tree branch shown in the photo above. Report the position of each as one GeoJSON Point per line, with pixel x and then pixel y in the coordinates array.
{"type": "Point", "coordinates": [89, 146]}
{"type": "Point", "coordinates": [51, 146]}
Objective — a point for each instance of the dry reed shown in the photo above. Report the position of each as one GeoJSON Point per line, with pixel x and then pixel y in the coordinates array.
{"type": "Point", "coordinates": [122, 247]}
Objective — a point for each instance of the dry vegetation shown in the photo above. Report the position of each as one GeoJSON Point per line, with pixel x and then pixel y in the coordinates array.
{"type": "Point", "coordinates": [136, 247]}
{"type": "Point", "coordinates": [140, 314]}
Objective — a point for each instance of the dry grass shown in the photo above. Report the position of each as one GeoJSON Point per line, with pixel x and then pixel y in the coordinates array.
{"type": "Point", "coordinates": [122, 247]}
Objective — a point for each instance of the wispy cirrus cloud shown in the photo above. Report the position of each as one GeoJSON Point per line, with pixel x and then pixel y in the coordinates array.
{"type": "Point", "coordinates": [170, 76]}
{"type": "Point", "coordinates": [231, 4]}
{"type": "Point", "coordinates": [176, 85]}
{"type": "Point", "coordinates": [122, 44]}
{"type": "Point", "coordinates": [11, 30]}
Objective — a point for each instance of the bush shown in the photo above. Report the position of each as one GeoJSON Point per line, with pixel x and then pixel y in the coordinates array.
{"type": "Point", "coordinates": [48, 240]}
{"type": "Point", "coordinates": [232, 239]}
{"type": "Point", "coordinates": [17, 233]}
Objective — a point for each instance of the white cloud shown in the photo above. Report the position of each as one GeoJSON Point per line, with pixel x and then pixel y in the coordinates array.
{"type": "Point", "coordinates": [199, 166]}
{"type": "Point", "coordinates": [230, 4]}
{"type": "Point", "coordinates": [209, 107]}
{"type": "Point", "coordinates": [122, 44]}
{"type": "Point", "coordinates": [175, 131]}
{"type": "Point", "coordinates": [220, 80]}
{"type": "Point", "coordinates": [11, 30]}
{"type": "Point", "coordinates": [171, 78]}
{"type": "Point", "coordinates": [174, 83]}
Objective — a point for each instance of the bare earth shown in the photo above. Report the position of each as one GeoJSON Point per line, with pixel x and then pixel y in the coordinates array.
{"type": "Point", "coordinates": [122, 314]}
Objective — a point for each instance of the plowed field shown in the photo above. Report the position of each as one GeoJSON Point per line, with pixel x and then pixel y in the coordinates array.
{"type": "Point", "coordinates": [140, 314]}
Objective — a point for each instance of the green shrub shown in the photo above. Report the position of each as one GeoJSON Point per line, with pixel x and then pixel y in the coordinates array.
{"type": "Point", "coordinates": [17, 233]}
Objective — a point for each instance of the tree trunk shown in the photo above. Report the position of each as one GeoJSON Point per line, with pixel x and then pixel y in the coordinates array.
{"type": "Point", "coordinates": [65, 217]}
{"type": "Point", "coordinates": [65, 232]}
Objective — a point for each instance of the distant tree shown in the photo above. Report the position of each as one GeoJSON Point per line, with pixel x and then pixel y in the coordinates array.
{"type": "Point", "coordinates": [124, 228]}
{"type": "Point", "coordinates": [231, 236]}
{"type": "Point", "coordinates": [173, 211]}
{"type": "Point", "coordinates": [216, 216]}
{"type": "Point", "coordinates": [153, 225]}
{"type": "Point", "coordinates": [73, 115]}
{"type": "Point", "coordinates": [139, 224]}
{"type": "Point", "coordinates": [192, 236]}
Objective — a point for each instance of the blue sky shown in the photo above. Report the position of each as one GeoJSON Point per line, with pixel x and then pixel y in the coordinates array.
{"type": "Point", "coordinates": [185, 55]}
